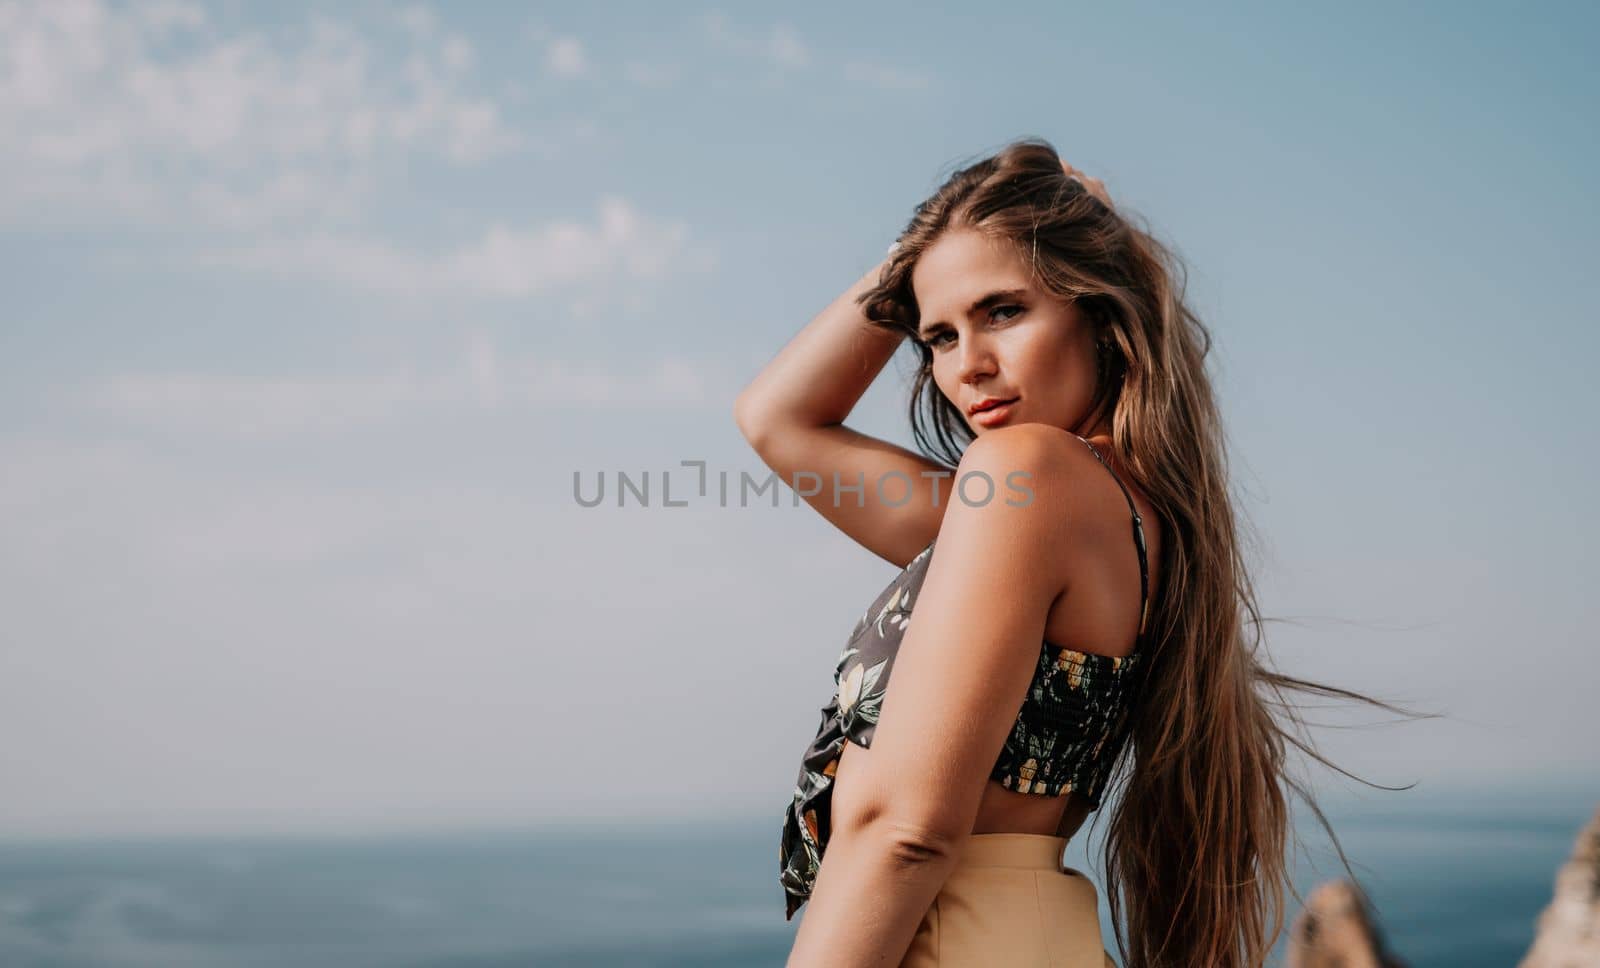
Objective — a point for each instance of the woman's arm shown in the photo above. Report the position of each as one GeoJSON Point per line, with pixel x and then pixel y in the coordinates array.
{"type": "Point", "coordinates": [819, 376]}
{"type": "Point", "coordinates": [902, 812]}
{"type": "Point", "coordinates": [871, 893]}
{"type": "Point", "coordinates": [888, 498]}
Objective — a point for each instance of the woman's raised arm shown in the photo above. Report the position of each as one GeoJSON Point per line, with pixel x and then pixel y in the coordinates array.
{"type": "Point", "coordinates": [889, 499]}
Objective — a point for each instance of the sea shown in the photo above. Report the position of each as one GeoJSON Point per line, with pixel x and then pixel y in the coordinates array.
{"type": "Point", "coordinates": [1457, 881]}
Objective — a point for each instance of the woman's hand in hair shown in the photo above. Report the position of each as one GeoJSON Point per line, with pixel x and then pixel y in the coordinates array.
{"type": "Point", "coordinates": [1094, 186]}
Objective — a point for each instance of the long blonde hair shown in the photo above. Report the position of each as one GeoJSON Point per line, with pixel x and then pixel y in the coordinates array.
{"type": "Point", "coordinates": [1196, 850]}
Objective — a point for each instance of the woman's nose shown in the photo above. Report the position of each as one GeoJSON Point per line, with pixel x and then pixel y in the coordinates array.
{"type": "Point", "coordinates": [977, 359]}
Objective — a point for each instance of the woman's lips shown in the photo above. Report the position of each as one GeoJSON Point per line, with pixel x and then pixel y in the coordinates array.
{"type": "Point", "coordinates": [997, 414]}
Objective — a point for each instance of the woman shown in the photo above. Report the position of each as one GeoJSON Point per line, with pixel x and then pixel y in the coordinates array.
{"type": "Point", "coordinates": [1062, 396]}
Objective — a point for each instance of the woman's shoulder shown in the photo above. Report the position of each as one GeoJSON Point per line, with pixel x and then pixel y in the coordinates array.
{"type": "Point", "coordinates": [1057, 464]}
{"type": "Point", "coordinates": [1029, 487]}
{"type": "Point", "coordinates": [1075, 537]}
{"type": "Point", "coordinates": [1049, 480]}
{"type": "Point", "coordinates": [1039, 441]}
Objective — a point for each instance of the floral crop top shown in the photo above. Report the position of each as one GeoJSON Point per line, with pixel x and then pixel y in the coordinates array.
{"type": "Point", "coordinates": [1072, 724]}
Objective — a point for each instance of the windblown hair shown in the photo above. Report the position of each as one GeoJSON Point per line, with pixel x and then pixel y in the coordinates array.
{"type": "Point", "coordinates": [1196, 849]}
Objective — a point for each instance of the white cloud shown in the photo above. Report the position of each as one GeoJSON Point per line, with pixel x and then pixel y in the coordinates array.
{"type": "Point", "coordinates": [105, 112]}
{"type": "Point", "coordinates": [484, 378]}
{"type": "Point", "coordinates": [885, 77]}
{"type": "Point", "coordinates": [483, 368]}
{"type": "Point", "coordinates": [155, 114]}
{"type": "Point", "coordinates": [651, 75]}
{"type": "Point", "coordinates": [504, 262]}
{"type": "Point", "coordinates": [419, 20]}
{"type": "Point", "coordinates": [786, 48]}
{"type": "Point", "coordinates": [255, 406]}
{"type": "Point", "coordinates": [780, 44]}
{"type": "Point", "coordinates": [160, 14]}
{"type": "Point", "coordinates": [272, 148]}
{"type": "Point", "coordinates": [564, 57]}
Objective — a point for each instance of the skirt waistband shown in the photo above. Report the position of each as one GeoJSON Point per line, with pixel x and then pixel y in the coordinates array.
{"type": "Point", "coordinates": [1031, 851]}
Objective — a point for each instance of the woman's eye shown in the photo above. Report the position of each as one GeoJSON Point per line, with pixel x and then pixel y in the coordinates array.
{"type": "Point", "coordinates": [939, 338]}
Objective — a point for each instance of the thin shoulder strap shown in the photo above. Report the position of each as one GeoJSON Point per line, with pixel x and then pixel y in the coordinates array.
{"type": "Point", "coordinates": [1138, 540]}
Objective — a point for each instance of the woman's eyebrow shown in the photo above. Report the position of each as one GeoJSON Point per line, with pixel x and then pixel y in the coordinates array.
{"type": "Point", "coordinates": [984, 302]}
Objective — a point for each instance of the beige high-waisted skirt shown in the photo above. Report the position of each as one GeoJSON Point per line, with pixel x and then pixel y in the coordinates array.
{"type": "Point", "coordinates": [1010, 902]}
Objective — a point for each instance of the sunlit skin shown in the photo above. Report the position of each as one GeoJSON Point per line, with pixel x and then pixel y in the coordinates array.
{"type": "Point", "coordinates": [1000, 584]}
{"type": "Point", "coordinates": [926, 781]}
{"type": "Point", "coordinates": [1034, 345]}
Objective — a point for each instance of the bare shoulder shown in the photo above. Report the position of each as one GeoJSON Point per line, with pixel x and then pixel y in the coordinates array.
{"type": "Point", "coordinates": [1056, 465]}
{"type": "Point", "coordinates": [1030, 480]}
{"type": "Point", "coordinates": [1074, 537]}
{"type": "Point", "coordinates": [1046, 480]}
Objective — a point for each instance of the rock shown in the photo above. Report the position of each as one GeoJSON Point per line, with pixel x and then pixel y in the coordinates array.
{"type": "Point", "coordinates": [1568, 930]}
{"type": "Point", "coordinates": [1336, 929]}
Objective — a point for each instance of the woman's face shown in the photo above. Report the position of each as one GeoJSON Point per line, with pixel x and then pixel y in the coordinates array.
{"type": "Point", "coordinates": [1025, 344]}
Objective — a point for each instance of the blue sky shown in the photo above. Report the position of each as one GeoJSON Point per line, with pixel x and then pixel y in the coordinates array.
{"type": "Point", "coordinates": [311, 312]}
